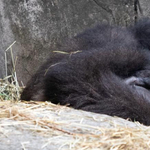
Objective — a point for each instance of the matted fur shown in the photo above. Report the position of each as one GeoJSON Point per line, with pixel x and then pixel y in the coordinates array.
{"type": "Point", "coordinates": [91, 71]}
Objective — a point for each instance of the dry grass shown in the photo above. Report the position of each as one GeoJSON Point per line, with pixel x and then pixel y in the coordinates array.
{"type": "Point", "coordinates": [9, 90]}
{"type": "Point", "coordinates": [9, 86]}
{"type": "Point", "coordinates": [73, 128]}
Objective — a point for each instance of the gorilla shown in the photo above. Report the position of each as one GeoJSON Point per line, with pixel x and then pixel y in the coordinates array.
{"type": "Point", "coordinates": [105, 69]}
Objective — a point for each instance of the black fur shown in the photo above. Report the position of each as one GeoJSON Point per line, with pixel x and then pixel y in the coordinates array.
{"type": "Point", "coordinates": [92, 74]}
{"type": "Point", "coordinates": [142, 32]}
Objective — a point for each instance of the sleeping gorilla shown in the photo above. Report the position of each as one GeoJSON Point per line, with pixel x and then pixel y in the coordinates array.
{"type": "Point", "coordinates": [105, 70]}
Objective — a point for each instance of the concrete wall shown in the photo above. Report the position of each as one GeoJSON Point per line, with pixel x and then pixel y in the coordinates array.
{"type": "Point", "coordinates": [39, 26]}
{"type": "Point", "coordinates": [145, 6]}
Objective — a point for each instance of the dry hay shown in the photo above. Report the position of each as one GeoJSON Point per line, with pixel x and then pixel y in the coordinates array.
{"type": "Point", "coordinates": [66, 128]}
{"type": "Point", "coordinates": [9, 90]}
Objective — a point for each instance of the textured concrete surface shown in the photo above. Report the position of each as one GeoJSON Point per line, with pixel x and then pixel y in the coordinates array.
{"type": "Point", "coordinates": [39, 27]}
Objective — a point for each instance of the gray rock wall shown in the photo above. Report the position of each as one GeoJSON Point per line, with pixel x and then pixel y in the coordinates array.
{"type": "Point", "coordinates": [145, 6]}
{"type": "Point", "coordinates": [39, 26]}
